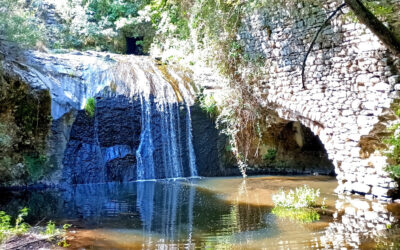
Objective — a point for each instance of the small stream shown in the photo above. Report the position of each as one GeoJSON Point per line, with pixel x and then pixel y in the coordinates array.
{"type": "Point", "coordinates": [226, 212]}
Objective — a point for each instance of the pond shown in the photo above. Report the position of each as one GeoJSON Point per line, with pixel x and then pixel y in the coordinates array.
{"type": "Point", "coordinates": [226, 212]}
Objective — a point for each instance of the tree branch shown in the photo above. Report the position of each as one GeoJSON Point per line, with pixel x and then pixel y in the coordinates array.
{"type": "Point", "coordinates": [377, 27]}
{"type": "Point", "coordinates": [303, 77]}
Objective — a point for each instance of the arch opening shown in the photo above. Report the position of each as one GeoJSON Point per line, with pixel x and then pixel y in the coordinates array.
{"type": "Point", "coordinates": [297, 150]}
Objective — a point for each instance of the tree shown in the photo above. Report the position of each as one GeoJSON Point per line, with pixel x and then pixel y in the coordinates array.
{"type": "Point", "coordinates": [366, 17]}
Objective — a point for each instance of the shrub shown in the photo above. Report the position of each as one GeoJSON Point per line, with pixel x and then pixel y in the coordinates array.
{"type": "Point", "coordinates": [394, 171]}
{"type": "Point", "coordinates": [301, 197]}
{"type": "Point", "coordinates": [90, 107]}
{"type": "Point", "coordinates": [299, 204]}
{"type": "Point", "coordinates": [270, 155]}
{"type": "Point", "coordinates": [52, 232]}
{"type": "Point", "coordinates": [19, 25]}
{"type": "Point", "coordinates": [7, 229]}
{"type": "Point", "coordinates": [50, 228]}
{"type": "Point", "coordinates": [209, 105]}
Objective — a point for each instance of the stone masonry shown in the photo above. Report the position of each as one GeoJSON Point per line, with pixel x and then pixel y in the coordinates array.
{"type": "Point", "coordinates": [351, 83]}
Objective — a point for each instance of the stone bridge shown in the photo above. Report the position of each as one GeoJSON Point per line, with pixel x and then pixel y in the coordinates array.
{"type": "Point", "coordinates": [352, 83]}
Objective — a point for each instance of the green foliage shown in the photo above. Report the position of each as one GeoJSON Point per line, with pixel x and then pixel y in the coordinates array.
{"type": "Point", "coordinates": [20, 226]}
{"type": "Point", "coordinates": [304, 215]}
{"type": "Point", "coordinates": [270, 155]}
{"type": "Point", "coordinates": [393, 153]}
{"type": "Point", "coordinates": [90, 107]}
{"type": "Point", "coordinates": [52, 232]}
{"type": "Point", "coordinates": [36, 166]}
{"type": "Point", "coordinates": [394, 171]}
{"type": "Point", "coordinates": [385, 11]}
{"type": "Point", "coordinates": [63, 243]}
{"type": "Point", "coordinates": [50, 228]}
{"type": "Point", "coordinates": [7, 229]}
{"type": "Point", "coordinates": [301, 197]}
{"type": "Point", "coordinates": [381, 9]}
{"type": "Point", "coordinates": [19, 25]}
{"type": "Point", "coordinates": [299, 204]}
{"type": "Point", "coordinates": [208, 104]}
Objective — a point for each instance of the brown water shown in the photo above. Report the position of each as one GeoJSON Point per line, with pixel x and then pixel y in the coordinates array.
{"type": "Point", "coordinates": [214, 213]}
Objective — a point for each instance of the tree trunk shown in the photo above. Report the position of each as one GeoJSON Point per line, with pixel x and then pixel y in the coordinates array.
{"type": "Point", "coordinates": [381, 31]}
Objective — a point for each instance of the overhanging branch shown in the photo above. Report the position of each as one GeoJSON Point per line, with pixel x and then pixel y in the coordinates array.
{"type": "Point", "coordinates": [366, 17]}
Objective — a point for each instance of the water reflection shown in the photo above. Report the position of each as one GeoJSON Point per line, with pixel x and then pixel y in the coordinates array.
{"type": "Point", "coordinates": [206, 213]}
{"type": "Point", "coordinates": [360, 223]}
{"type": "Point", "coordinates": [150, 214]}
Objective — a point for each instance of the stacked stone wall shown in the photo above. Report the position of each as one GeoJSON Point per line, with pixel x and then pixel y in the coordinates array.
{"type": "Point", "coordinates": [351, 83]}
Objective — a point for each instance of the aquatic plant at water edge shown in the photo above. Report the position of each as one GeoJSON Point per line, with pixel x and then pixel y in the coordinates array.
{"type": "Point", "coordinates": [52, 232]}
{"type": "Point", "coordinates": [299, 204]}
{"type": "Point", "coordinates": [90, 107]}
{"type": "Point", "coordinates": [301, 197]}
{"type": "Point", "coordinates": [305, 215]}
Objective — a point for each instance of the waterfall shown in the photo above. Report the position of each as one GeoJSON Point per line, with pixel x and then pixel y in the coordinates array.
{"type": "Point", "coordinates": [144, 154]}
{"type": "Point", "coordinates": [156, 100]}
{"type": "Point", "coordinates": [192, 157]}
{"type": "Point", "coordinates": [161, 124]}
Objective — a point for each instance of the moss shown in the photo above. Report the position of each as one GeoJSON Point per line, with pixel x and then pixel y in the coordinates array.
{"type": "Point", "coordinates": [36, 166]}
{"type": "Point", "coordinates": [25, 123]}
{"type": "Point", "coordinates": [90, 107]}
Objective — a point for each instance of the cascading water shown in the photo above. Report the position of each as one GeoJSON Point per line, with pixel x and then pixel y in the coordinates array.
{"type": "Point", "coordinates": [161, 118]}
{"type": "Point", "coordinates": [192, 156]}
{"type": "Point", "coordinates": [144, 154]}
{"type": "Point", "coordinates": [154, 98]}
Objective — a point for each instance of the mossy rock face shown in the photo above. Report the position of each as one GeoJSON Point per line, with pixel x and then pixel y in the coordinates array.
{"type": "Point", "coordinates": [25, 119]}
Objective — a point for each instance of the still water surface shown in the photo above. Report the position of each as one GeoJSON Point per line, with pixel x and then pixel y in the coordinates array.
{"type": "Point", "coordinates": [222, 213]}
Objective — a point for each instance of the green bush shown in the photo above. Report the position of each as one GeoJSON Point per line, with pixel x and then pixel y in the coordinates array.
{"type": "Point", "coordinates": [209, 105]}
{"type": "Point", "coordinates": [51, 231]}
{"type": "Point", "coordinates": [50, 228]}
{"type": "Point", "coordinates": [270, 155]}
{"type": "Point", "coordinates": [19, 25]}
{"type": "Point", "coordinates": [299, 204]}
{"type": "Point", "coordinates": [90, 107]}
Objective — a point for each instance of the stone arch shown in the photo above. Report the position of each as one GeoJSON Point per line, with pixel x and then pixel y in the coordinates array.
{"type": "Point", "coordinates": [303, 149]}
{"type": "Point", "coordinates": [352, 82]}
